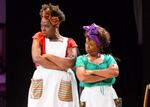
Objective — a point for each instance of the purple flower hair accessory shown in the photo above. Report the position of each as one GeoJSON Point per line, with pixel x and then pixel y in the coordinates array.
{"type": "Point", "coordinates": [92, 32]}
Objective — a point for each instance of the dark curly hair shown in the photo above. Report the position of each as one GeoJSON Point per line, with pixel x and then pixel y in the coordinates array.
{"type": "Point", "coordinates": [104, 36]}
{"type": "Point", "coordinates": [54, 11]}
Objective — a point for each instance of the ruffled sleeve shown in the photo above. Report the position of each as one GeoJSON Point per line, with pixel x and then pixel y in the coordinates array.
{"type": "Point", "coordinates": [41, 39]}
{"type": "Point", "coordinates": [38, 36]}
{"type": "Point", "coordinates": [71, 43]}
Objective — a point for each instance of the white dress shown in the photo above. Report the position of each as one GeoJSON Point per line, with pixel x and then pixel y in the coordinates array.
{"type": "Point", "coordinates": [48, 81]}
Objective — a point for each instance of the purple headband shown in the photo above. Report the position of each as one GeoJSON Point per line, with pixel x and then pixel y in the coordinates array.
{"type": "Point", "coordinates": [92, 32]}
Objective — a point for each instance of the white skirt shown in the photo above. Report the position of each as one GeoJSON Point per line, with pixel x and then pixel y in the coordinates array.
{"type": "Point", "coordinates": [99, 96]}
{"type": "Point", "coordinates": [46, 95]}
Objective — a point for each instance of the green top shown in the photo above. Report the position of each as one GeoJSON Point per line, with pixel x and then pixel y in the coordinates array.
{"type": "Point", "coordinates": [82, 61]}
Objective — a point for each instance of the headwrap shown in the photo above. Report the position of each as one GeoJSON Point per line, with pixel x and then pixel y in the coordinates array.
{"type": "Point", "coordinates": [92, 33]}
{"type": "Point", "coordinates": [53, 19]}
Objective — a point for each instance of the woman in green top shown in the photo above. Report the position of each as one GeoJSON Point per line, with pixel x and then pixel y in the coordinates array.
{"type": "Point", "coordinates": [97, 70]}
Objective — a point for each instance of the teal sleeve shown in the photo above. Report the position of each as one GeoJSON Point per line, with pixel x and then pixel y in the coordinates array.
{"type": "Point", "coordinates": [111, 60]}
{"type": "Point", "coordinates": [79, 62]}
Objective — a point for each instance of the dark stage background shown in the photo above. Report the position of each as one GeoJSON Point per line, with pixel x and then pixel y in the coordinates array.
{"type": "Point", "coordinates": [117, 16]}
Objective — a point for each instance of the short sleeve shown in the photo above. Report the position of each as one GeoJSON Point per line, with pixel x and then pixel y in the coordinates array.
{"type": "Point", "coordinates": [111, 60]}
{"type": "Point", "coordinates": [71, 43]}
{"type": "Point", "coordinates": [80, 62]}
{"type": "Point", "coordinates": [38, 36]}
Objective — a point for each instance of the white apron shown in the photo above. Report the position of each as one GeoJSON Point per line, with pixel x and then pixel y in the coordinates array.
{"type": "Point", "coordinates": [46, 95]}
{"type": "Point", "coordinates": [99, 96]}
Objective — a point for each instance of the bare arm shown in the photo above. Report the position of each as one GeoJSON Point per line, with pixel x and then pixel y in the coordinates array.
{"type": "Point", "coordinates": [83, 76]}
{"type": "Point", "coordinates": [39, 59]}
{"type": "Point", "coordinates": [112, 71]}
{"type": "Point", "coordinates": [64, 63]}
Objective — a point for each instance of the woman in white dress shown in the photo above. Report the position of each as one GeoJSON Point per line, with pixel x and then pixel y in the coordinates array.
{"type": "Point", "coordinates": [54, 57]}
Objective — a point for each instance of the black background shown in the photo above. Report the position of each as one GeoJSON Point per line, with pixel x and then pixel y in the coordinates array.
{"type": "Point", "coordinates": [117, 16]}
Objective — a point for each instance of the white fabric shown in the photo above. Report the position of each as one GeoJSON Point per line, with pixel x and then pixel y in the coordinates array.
{"type": "Point", "coordinates": [99, 96]}
{"type": "Point", "coordinates": [56, 48]}
{"type": "Point", "coordinates": [51, 80]}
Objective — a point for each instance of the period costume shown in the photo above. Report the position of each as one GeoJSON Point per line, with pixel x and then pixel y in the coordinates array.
{"type": "Point", "coordinates": [97, 94]}
{"type": "Point", "coordinates": [45, 83]}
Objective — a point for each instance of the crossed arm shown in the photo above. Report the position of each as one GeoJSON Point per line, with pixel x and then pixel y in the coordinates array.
{"type": "Point", "coordinates": [51, 61]}
{"type": "Point", "coordinates": [97, 75]}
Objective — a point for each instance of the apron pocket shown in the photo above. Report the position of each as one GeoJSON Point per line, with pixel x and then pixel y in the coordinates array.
{"type": "Point", "coordinates": [36, 88]}
{"type": "Point", "coordinates": [65, 91]}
